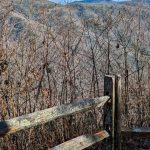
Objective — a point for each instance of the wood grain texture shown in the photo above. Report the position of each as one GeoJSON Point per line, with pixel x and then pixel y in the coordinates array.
{"type": "Point", "coordinates": [111, 123]}
{"type": "Point", "coordinates": [44, 116]}
{"type": "Point", "coordinates": [82, 142]}
{"type": "Point", "coordinates": [109, 111]}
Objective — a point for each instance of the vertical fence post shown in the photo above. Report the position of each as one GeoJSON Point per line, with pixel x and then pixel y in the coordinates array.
{"type": "Point", "coordinates": [117, 136]}
{"type": "Point", "coordinates": [111, 122]}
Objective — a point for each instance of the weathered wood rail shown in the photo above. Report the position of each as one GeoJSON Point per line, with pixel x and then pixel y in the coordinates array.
{"type": "Point", "coordinates": [111, 120]}
{"type": "Point", "coordinates": [139, 132]}
{"type": "Point", "coordinates": [82, 142]}
{"type": "Point", "coordinates": [44, 116]}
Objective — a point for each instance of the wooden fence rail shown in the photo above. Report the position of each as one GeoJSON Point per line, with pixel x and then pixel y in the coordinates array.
{"type": "Point", "coordinates": [44, 116]}
{"type": "Point", "coordinates": [136, 132]}
{"type": "Point", "coordinates": [82, 142]}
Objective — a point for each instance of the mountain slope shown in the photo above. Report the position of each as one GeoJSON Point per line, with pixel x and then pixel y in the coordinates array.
{"type": "Point", "coordinates": [57, 53]}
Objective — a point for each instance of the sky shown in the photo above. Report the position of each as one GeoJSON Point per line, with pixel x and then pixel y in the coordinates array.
{"type": "Point", "coordinates": [63, 1]}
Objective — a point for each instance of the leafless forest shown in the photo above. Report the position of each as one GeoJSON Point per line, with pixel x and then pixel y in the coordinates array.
{"type": "Point", "coordinates": [52, 54]}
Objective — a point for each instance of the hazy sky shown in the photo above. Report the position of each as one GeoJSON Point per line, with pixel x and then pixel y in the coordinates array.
{"type": "Point", "coordinates": [62, 1]}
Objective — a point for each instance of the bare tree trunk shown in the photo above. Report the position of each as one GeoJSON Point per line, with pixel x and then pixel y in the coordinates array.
{"type": "Point", "coordinates": [108, 53]}
{"type": "Point", "coordinates": [126, 82]}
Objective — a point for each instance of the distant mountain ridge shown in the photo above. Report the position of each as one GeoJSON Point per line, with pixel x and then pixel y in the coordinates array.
{"type": "Point", "coordinates": [92, 1]}
{"type": "Point", "coordinates": [111, 1]}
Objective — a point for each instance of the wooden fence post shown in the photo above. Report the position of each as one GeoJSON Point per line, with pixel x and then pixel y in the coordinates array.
{"type": "Point", "coordinates": [111, 122]}
{"type": "Point", "coordinates": [117, 114]}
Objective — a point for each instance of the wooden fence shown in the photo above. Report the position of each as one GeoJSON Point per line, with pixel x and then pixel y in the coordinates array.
{"type": "Point", "coordinates": [111, 120]}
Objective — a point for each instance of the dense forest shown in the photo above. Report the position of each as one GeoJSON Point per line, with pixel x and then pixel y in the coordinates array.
{"type": "Point", "coordinates": [52, 54]}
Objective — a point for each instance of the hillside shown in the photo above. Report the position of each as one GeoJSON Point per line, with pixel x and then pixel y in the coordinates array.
{"type": "Point", "coordinates": [52, 54]}
{"type": "Point", "coordinates": [85, 23]}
